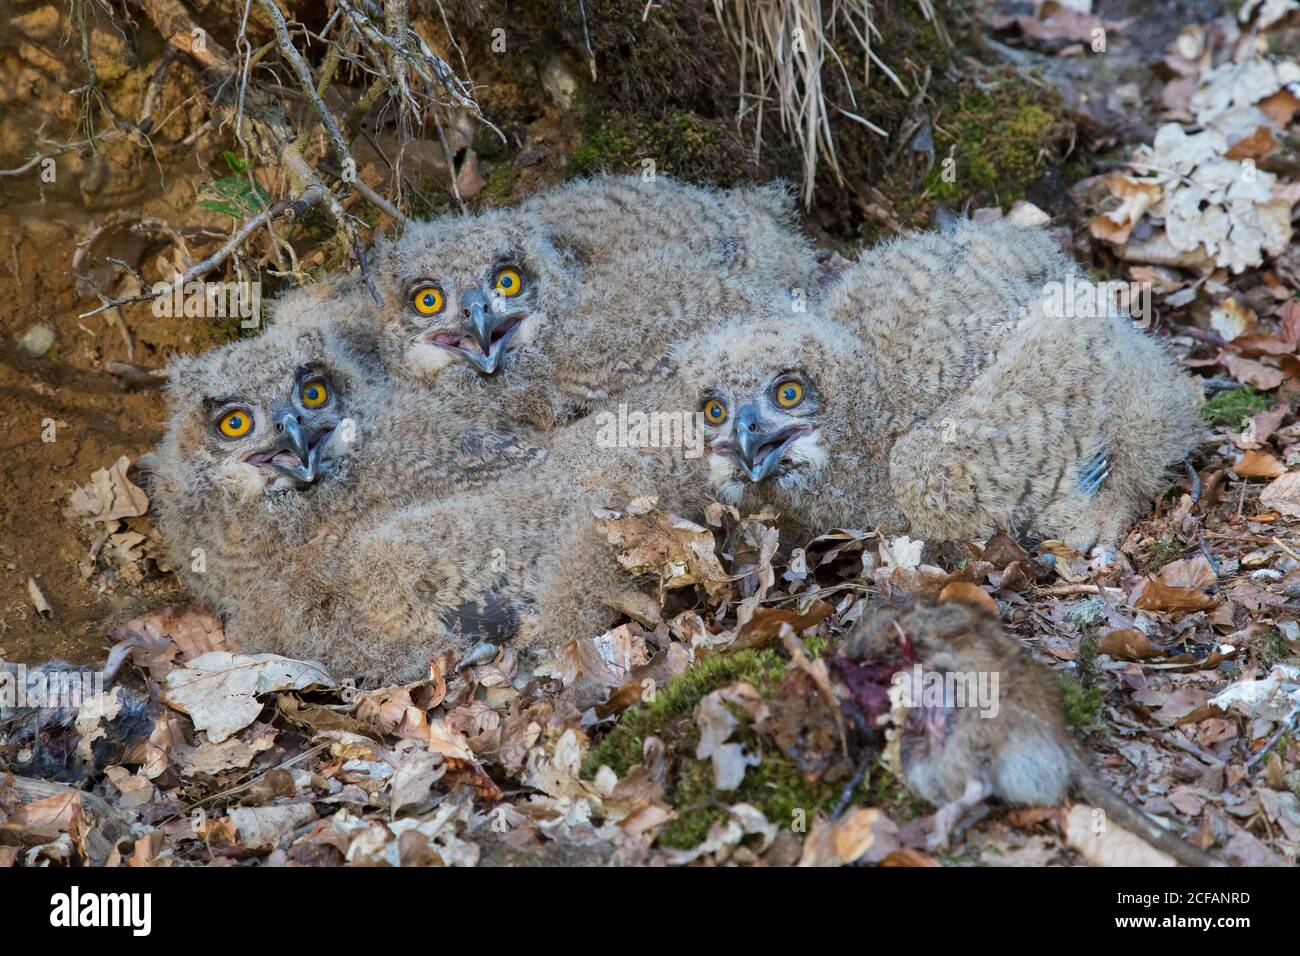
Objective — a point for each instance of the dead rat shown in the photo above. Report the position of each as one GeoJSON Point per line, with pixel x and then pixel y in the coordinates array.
{"type": "Point", "coordinates": [977, 718]}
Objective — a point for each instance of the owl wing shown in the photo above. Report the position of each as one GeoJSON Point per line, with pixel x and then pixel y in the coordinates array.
{"type": "Point", "coordinates": [489, 616]}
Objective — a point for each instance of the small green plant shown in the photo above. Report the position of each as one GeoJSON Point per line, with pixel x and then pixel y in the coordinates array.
{"type": "Point", "coordinates": [1268, 646]}
{"type": "Point", "coordinates": [237, 195]}
{"type": "Point", "coordinates": [1082, 704]}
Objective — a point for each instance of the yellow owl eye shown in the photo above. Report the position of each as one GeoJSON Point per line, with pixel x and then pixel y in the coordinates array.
{"type": "Point", "coordinates": [509, 282]}
{"type": "Point", "coordinates": [715, 412]}
{"type": "Point", "coordinates": [427, 300]}
{"type": "Point", "coordinates": [789, 394]}
{"type": "Point", "coordinates": [315, 394]}
{"type": "Point", "coordinates": [235, 424]}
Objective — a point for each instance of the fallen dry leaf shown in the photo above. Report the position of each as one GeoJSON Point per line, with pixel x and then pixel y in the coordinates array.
{"type": "Point", "coordinates": [265, 828]}
{"type": "Point", "coordinates": [765, 623]}
{"type": "Point", "coordinates": [110, 496]}
{"type": "Point", "coordinates": [1103, 843]}
{"type": "Point", "coordinates": [1258, 464]}
{"type": "Point", "coordinates": [1283, 495]}
{"type": "Point", "coordinates": [744, 820]}
{"type": "Point", "coordinates": [1128, 644]}
{"type": "Point", "coordinates": [219, 689]}
{"type": "Point", "coordinates": [862, 833]}
{"type": "Point", "coordinates": [161, 636]}
{"type": "Point", "coordinates": [650, 541]}
{"type": "Point", "coordinates": [968, 593]}
{"type": "Point", "coordinates": [1252, 372]}
{"type": "Point", "coordinates": [716, 723]}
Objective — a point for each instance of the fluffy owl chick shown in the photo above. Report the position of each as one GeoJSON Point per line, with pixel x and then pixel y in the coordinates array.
{"type": "Point", "coordinates": [547, 310]}
{"type": "Point", "coordinates": [794, 418]}
{"type": "Point", "coordinates": [1067, 433]}
{"type": "Point", "coordinates": [977, 719]}
{"type": "Point", "coordinates": [420, 442]}
{"type": "Point", "coordinates": [936, 306]}
{"type": "Point", "coordinates": [649, 445]}
{"type": "Point", "coordinates": [509, 565]}
{"type": "Point", "coordinates": [287, 507]}
{"type": "Point", "coordinates": [257, 453]}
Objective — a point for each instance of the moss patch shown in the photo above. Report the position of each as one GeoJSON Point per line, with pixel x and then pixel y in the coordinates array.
{"type": "Point", "coordinates": [500, 184]}
{"type": "Point", "coordinates": [1082, 704]}
{"type": "Point", "coordinates": [999, 140]}
{"type": "Point", "coordinates": [1162, 551]}
{"type": "Point", "coordinates": [1004, 131]}
{"type": "Point", "coordinates": [1268, 646]}
{"type": "Point", "coordinates": [680, 143]}
{"type": "Point", "coordinates": [1233, 407]}
{"type": "Point", "coordinates": [776, 786]}
{"type": "Point", "coordinates": [1080, 690]}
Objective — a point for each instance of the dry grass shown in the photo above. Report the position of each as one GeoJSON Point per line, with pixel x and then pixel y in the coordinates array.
{"type": "Point", "coordinates": [785, 46]}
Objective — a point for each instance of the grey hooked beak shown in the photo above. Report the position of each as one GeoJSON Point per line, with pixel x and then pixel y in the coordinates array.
{"type": "Point", "coordinates": [760, 450]}
{"type": "Point", "coordinates": [482, 323]}
{"type": "Point", "coordinates": [292, 440]}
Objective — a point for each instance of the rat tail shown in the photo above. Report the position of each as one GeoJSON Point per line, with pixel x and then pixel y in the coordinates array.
{"type": "Point", "coordinates": [1094, 790]}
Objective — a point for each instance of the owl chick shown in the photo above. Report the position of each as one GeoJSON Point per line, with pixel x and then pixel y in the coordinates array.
{"type": "Point", "coordinates": [470, 574]}
{"type": "Point", "coordinates": [1066, 433]}
{"type": "Point", "coordinates": [292, 510]}
{"type": "Point", "coordinates": [421, 443]}
{"type": "Point", "coordinates": [544, 311]}
{"type": "Point", "coordinates": [935, 306]}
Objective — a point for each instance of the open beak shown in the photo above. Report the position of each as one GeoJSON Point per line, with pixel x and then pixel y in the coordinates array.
{"type": "Point", "coordinates": [760, 450]}
{"type": "Point", "coordinates": [295, 453]}
{"type": "Point", "coordinates": [490, 332]}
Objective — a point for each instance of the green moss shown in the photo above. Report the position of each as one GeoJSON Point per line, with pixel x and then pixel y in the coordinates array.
{"type": "Point", "coordinates": [1233, 407]}
{"type": "Point", "coordinates": [500, 184]}
{"type": "Point", "coordinates": [1163, 550]}
{"type": "Point", "coordinates": [676, 701]}
{"type": "Point", "coordinates": [1000, 141]}
{"type": "Point", "coordinates": [679, 142]}
{"type": "Point", "coordinates": [1268, 646]}
{"type": "Point", "coordinates": [775, 785]}
{"type": "Point", "coordinates": [1082, 695]}
{"type": "Point", "coordinates": [1082, 704]}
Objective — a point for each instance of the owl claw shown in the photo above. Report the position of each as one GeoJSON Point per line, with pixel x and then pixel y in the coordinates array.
{"type": "Point", "coordinates": [480, 653]}
{"type": "Point", "coordinates": [1091, 480]}
{"type": "Point", "coordinates": [1102, 558]}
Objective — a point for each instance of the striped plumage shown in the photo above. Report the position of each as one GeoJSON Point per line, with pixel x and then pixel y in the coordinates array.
{"type": "Point", "coordinates": [960, 402]}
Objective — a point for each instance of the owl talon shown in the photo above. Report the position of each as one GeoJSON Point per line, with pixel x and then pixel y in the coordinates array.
{"type": "Point", "coordinates": [1094, 476]}
{"type": "Point", "coordinates": [1101, 558]}
{"type": "Point", "coordinates": [480, 653]}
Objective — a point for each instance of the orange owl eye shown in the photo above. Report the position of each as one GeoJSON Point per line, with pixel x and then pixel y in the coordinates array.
{"type": "Point", "coordinates": [315, 394]}
{"type": "Point", "coordinates": [509, 282]}
{"type": "Point", "coordinates": [235, 424]}
{"type": "Point", "coordinates": [427, 300]}
{"type": "Point", "coordinates": [789, 394]}
{"type": "Point", "coordinates": [715, 412]}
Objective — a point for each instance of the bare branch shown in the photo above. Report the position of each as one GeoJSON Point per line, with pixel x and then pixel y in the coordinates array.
{"type": "Point", "coordinates": [217, 258]}
{"type": "Point", "coordinates": [303, 75]}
